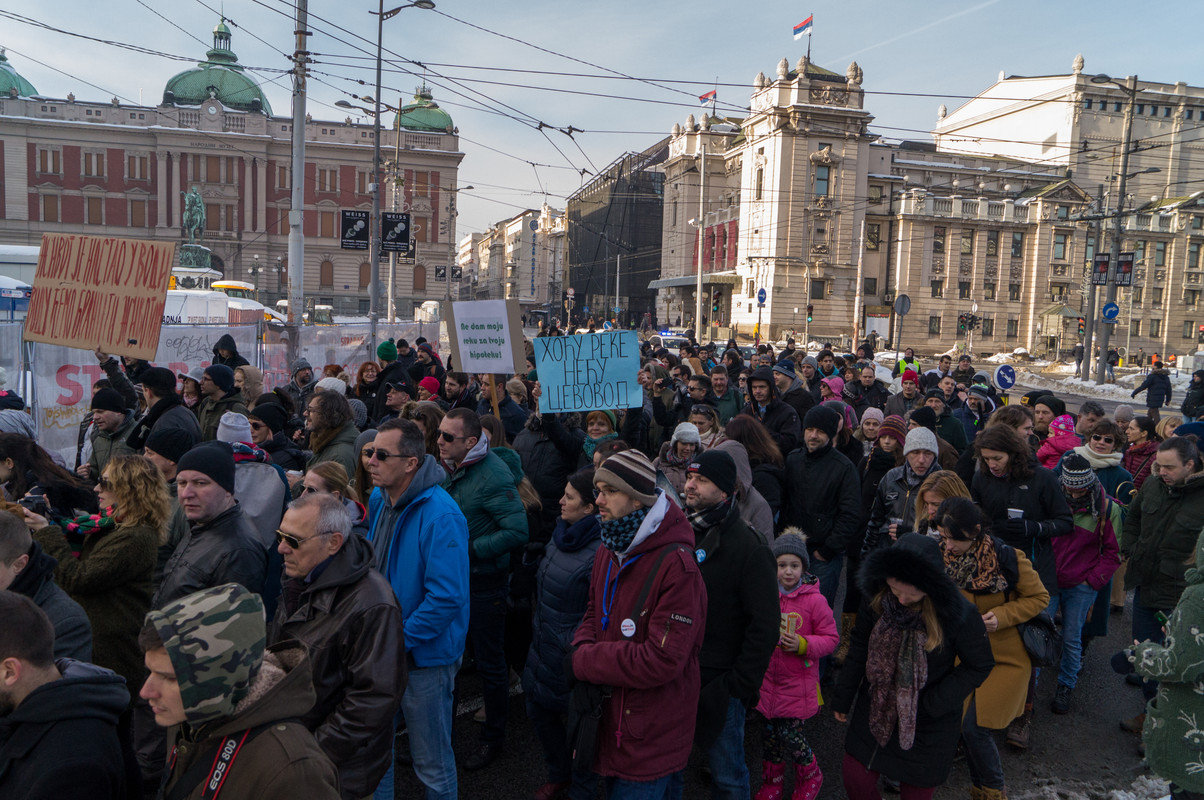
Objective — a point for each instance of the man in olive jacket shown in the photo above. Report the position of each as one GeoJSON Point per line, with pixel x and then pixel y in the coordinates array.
{"type": "Point", "coordinates": [218, 396]}
{"type": "Point", "coordinates": [484, 488]}
{"type": "Point", "coordinates": [346, 614]}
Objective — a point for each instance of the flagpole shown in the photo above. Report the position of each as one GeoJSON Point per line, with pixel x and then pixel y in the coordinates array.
{"type": "Point", "coordinates": [809, 41]}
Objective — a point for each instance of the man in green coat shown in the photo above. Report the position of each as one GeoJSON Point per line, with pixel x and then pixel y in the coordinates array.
{"type": "Point", "coordinates": [218, 396]}
{"type": "Point", "coordinates": [113, 423]}
{"type": "Point", "coordinates": [484, 488]}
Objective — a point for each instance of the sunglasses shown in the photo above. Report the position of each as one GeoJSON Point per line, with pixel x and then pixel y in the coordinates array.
{"type": "Point", "coordinates": [447, 437]}
{"type": "Point", "coordinates": [293, 542]}
{"type": "Point", "coordinates": [105, 483]}
{"type": "Point", "coordinates": [1095, 437]}
{"type": "Point", "coordinates": [378, 454]}
{"type": "Point", "coordinates": [257, 426]}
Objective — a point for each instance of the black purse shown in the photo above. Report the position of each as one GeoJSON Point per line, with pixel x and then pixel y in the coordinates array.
{"type": "Point", "coordinates": [1042, 641]}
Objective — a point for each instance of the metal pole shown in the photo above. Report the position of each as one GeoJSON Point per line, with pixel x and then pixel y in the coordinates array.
{"type": "Point", "coordinates": [617, 262]}
{"type": "Point", "coordinates": [857, 287]}
{"type": "Point", "coordinates": [702, 232]}
{"type": "Point", "coordinates": [807, 297]}
{"type": "Point", "coordinates": [398, 186]}
{"type": "Point", "coordinates": [1117, 231]}
{"type": "Point", "coordinates": [375, 239]}
{"type": "Point", "coordinates": [296, 214]}
{"type": "Point", "coordinates": [1089, 328]}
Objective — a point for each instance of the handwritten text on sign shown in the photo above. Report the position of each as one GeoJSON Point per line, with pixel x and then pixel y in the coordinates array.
{"type": "Point", "coordinates": [587, 372]}
{"type": "Point", "coordinates": [483, 332]}
{"type": "Point", "coordinates": [101, 291]}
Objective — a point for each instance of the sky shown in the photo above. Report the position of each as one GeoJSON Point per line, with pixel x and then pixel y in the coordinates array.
{"type": "Point", "coordinates": [603, 78]}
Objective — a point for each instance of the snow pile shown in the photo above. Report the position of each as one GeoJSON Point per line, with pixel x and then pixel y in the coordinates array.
{"type": "Point", "coordinates": [1145, 787]}
{"type": "Point", "coordinates": [1120, 391]}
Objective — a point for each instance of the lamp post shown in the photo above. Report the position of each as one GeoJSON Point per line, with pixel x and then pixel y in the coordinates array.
{"type": "Point", "coordinates": [375, 238]}
{"type": "Point", "coordinates": [453, 252]}
{"type": "Point", "coordinates": [1129, 88]}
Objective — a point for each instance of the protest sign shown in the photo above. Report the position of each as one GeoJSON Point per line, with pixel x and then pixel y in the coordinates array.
{"type": "Point", "coordinates": [589, 371]}
{"type": "Point", "coordinates": [486, 336]}
{"type": "Point", "coordinates": [100, 291]}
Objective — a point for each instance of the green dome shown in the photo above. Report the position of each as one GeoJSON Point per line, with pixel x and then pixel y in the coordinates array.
{"type": "Point", "coordinates": [424, 115]}
{"type": "Point", "coordinates": [220, 77]}
{"type": "Point", "coordinates": [10, 80]}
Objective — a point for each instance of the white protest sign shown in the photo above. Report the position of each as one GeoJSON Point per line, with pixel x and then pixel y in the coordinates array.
{"type": "Point", "coordinates": [486, 336]}
{"type": "Point", "coordinates": [589, 371]}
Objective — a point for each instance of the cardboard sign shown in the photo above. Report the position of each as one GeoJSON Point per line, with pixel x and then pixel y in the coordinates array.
{"type": "Point", "coordinates": [486, 336]}
{"type": "Point", "coordinates": [100, 291]}
{"type": "Point", "coordinates": [589, 371]}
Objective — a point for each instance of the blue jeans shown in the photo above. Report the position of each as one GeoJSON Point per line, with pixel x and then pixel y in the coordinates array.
{"type": "Point", "coordinates": [1075, 602]}
{"type": "Point", "coordinates": [982, 754]}
{"type": "Point", "coordinates": [428, 708]}
{"type": "Point", "coordinates": [729, 771]}
{"type": "Point", "coordinates": [1146, 627]}
{"type": "Point", "coordinates": [550, 727]}
{"type": "Point", "coordinates": [486, 631]}
{"type": "Point", "coordinates": [828, 573]}
{"type": "Point", "coordinates": [666, 788]}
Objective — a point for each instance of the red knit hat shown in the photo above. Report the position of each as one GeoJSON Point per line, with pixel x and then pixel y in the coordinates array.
{"type": "Point", "coordinates": [430, 383]}
{"type": "Point", "coordinates": [910, 375]}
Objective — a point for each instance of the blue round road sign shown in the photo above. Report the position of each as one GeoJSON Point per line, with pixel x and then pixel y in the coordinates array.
{"type": "Point", "coordinates": [1110, 311]}
{"type": "Point", "coordinates": [760, 296]}
{"type": "Point", "coordinates": [1005, 376]}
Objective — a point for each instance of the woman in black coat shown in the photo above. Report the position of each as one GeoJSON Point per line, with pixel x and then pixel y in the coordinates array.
{"type": "Point", "coordinates": [907, 726]}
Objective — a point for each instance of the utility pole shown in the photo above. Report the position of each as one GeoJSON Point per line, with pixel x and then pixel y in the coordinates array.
{"type": "Point", "coordinates": [1117, 231]}
{"type": "Point", "coordinates": [616, 313]}
{"type": "Point", "coordinates": [1089, 326]}
{"type": "Point", "coordinates": [702, 234]}
{"type": "Point", "coordinates": [857, 286]}
{"type": "Point", "coordinates": [296, 214]}
{"type": "Point", "coordinates": [376, 238]}
{"type": "Point", "coordinates": [398, 189]}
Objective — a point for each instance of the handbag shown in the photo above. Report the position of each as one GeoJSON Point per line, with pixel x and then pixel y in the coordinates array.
{"type": "Point", "coordinates": [1042, 641]}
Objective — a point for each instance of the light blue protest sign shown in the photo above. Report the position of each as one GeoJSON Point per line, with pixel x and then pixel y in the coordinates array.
{"type": "Point", "coordinates": [589, 371]}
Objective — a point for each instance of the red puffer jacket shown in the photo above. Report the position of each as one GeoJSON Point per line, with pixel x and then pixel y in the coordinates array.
{"type": "Point", "coordinates": [646, 732]}
{"type": "Point", "coordinates": [791, 686]}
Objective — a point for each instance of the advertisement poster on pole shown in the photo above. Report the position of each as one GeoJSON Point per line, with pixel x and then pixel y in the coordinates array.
{"type": "Point", "coordinates": [589, 371]}
{"type": "Point", "coordinates": [486, 336]}
{"type": "Point", "coordinates": [100, 291]}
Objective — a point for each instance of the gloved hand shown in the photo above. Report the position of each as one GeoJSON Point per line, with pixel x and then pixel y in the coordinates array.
{"type": "Point", "coordinates": [1022, 528]}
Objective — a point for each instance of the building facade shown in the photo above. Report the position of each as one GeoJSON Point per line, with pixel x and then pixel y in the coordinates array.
{"type": "Point", "coordinates": [521, 258]}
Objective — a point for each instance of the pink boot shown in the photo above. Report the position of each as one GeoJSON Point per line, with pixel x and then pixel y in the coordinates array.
{"type": "Point", "coordinates": [807, 781]}
{"type": "Point", "coordinates": [772, 776]}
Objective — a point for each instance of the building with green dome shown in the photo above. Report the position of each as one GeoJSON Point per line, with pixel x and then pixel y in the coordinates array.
{"type": "Point", "coordinates": [220, 77]}
{"type": "Point", "coordinates": [11, 83]}
{"type": "Point", "coordinates": [423, 115]}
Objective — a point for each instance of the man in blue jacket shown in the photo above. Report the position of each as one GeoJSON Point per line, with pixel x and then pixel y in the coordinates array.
{"type": "Point", "coordinates": [421, 541]}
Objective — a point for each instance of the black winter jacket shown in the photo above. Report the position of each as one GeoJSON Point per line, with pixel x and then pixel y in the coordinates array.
{"type": "Point", "coordinates": [823, 499]}
{"type": "Point", "coordinates": [1157, 386]}
{"type": "Point", "coordinates": [1193, 403]}
{"type": "Point", "coordinates": [226, 342]}
{"type": "Point", "coordinates": [72, 630]}
{"type": "Point", "coordinates": [549, 454]}
{"type": "Point", "coordinates": [780, 419]}
{"type": "Point", "coordinates": [394, 372]}
{"type": "Point", "coordinates": [226, 549]}
{"type": "Point", "coordinates": [896, 497]}
{"type": "Point", "coordinates": [284, 452]}
{"type": "Point", "coordinates": [1160, 533]}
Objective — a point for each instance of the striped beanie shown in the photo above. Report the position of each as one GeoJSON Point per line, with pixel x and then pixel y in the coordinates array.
{"type": "Point", "coordinates": [630, 472]}
{"type": "Point", "coordinates": [895, 427]}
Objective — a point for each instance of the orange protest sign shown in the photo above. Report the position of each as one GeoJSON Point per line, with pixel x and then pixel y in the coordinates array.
{"type": "Point", "coordinates": [100, 291]}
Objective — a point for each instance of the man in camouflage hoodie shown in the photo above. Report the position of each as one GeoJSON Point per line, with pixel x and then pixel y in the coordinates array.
{"type": "Point", "coordinates": [225, 702]}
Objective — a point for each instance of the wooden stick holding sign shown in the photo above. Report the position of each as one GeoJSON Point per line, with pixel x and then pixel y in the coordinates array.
{"type": "Point", "coordinates": [486, 336]}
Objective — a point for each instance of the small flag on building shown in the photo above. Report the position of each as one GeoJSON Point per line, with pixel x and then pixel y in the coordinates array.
{"type": "Point", "coordinates": [709, 97]}
{"type": "Point", "coordinates": [803, 28]}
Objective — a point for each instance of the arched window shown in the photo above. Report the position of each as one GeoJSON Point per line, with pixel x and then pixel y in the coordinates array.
{"type": "Point", "coordinates": [365, 275]}
{"type": "Point", "coordinates": [326, 273]}
{"type": "Point", "coordinates": [419, 278]}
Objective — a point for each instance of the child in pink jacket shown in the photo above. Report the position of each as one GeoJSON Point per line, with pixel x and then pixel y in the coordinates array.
{"type": "Point", "coordinates": [790, 691]}
{"type": "Point", "coordinates": [1061, 440]}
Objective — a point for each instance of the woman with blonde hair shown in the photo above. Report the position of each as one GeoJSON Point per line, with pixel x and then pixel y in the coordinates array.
{"type": "Point", "coordinates": [330, 477]}
{"type": "Point", "coordinates": [936, 489]}
{"type": "Point", "coordinates": [249, 381]}
{"type": "Point", "coordinates": [111, 578]}
{"type": "Point", "coordinates": [1165, 427]}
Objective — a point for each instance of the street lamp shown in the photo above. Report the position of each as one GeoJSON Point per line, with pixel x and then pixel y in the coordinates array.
{"type": "Point", "coordinates": [376, 238]}
{"type": "Point", "coordinates": [1130, 89]}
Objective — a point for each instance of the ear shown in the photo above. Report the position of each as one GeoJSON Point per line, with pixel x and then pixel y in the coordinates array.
{"type": "Point", "coordinates": [336, 542]}
{"type": "Point", "coordinates": [21, 563]}
{"type": "Point", "coordinates": [10, 671]}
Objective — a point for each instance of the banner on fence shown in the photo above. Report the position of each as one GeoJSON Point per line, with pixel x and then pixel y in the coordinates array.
{"type": "Point", "coordinates": [589, 371]}
{"type": "Point", "coordinates": [322, 345]}
{"type": "Point", "coordinates": [100, 291]}
{"type": "Point", "coordinates": [486, 336]}
{"type": "Point", "coordinates": [63, 376]}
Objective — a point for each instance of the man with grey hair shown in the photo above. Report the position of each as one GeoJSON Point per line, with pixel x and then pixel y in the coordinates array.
{"type": "Point", "coordinates": [346, 614]}
{"type": "Point", "coordinates": [1090, 412]}
{"type": "Point", "coordinates": [1123, 414]}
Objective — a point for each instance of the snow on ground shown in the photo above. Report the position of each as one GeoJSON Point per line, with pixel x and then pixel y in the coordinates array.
{"type": "Point", "coordinates": [1062, 379]}
{"type": "Point", "coordinates": [1145, 787]}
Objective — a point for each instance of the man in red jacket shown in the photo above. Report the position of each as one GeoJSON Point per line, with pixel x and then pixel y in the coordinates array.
{"type": "Point", "coordinates": [647, 656]}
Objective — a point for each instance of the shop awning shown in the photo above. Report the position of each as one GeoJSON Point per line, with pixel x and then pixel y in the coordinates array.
{"type": "Point", "coordinates": [728, 277]}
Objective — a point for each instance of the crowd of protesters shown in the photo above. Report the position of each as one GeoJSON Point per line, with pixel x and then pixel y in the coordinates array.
{"type": "Point", "coordinates": [253, 589]}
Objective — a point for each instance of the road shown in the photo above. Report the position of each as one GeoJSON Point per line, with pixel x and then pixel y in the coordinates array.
{"type": "Point", "coordinates": [1082, 753]}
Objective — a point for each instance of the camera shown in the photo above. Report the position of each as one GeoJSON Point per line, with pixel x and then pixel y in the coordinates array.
{"type": "Point", "coordinates": [36, 503]}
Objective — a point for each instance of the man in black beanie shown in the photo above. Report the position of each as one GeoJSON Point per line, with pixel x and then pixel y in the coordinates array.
{"type": "Point", "coordinates": [1046, 409]}
{"type": "Point", "coordinates": [218, 395]}
{"type": "Point", "coordinates": [223, 546]}
{"type": "Point", "coordinates": [742, 616]}
{"type": "Point", "coordinates": [164, 449]}
{"type": "Point", "coordinates": [165, 409]}
{"type": "Point", "coordinates": [112, 422]}
{"type": "Point", "coordinates": [267, 433]}
{"type": "Point", "coordinates": [829, 511]}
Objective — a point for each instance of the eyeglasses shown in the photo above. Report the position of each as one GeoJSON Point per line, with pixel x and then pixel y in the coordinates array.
{"type": "Point", "coordinates": [293, 542]}
{"type": "Point", "coordinates": [1095, 437]}
{"type": "Point", "coordinates": [447, 437]}
{"type": "Point", "coordinates": [378, 454]}
{"type": "Point", "coordinates": [105, 483]}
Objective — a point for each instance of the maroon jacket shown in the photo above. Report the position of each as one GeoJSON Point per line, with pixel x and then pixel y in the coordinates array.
{"type": "Point", "coordinates": [645, 732]}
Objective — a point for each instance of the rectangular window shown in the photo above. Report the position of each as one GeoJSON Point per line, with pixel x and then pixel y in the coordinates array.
{"type": "Point", "coordinates": [963, 290]}
{"type": "Point", "coordinates": [760, 188]}
{"type": "Point", "coordinates": [1193, 255]}
{"type": "Point", "coordinates": [1138, 295]}
{"type": "Point", "coordinates": [363, 307]}
{"type": "Point", "coordinates": [213, 217]}
{"type": "Point", "coordinates": [137, 213]}
{"type": "Point", "coordinates": [231, 170]}
{"type": "Point", "coordinates": [1197, 223]}
{"type": "Point", "coordinates": [419, 229]}
{"type": "Point", "coordinates": [422, 184]}
{"type": "Point", "coordinates": [938, 239]}
{"type": "Point", "coordinates": [818, 290]}
{"type": "Point", "coordinates": [282, 181]}
{"type": "Point", "coordinates": [326, 224]}
{"type": "Point", "coordinates": [938, 288]}
{"type": "Point", "coordinates": [1013, 328]}
{"type": "Point", "coordinates": [1189, 329]}
{"type": "Point", "coordinates": [992, 243]}
{"type": "Point", "coordinates": [1159, 254]}
{"type": "Point", "coordinates": [1059, 247]}
{"type": "Point", "coordinates": [1063, 212]}
{"type": "Point", "coordinates": [869, 286]}
{"type": "Point", "coordinates": [1087, 103]}
{"type": "Point", "coordinates": [138, 168]}
{"type": "Point", "coordinates": [50, 208]}
{"type": "Point", "coordinates": [988, 327]}
{"type": "Point", "coordinates": [873, 235]}
{"type": "Point", "coordinates": [1017, 244]}
{"type": "Point", "coordinates": [362, 181]}
{"type": "Point", "coordinates": [94, 207]}
{"type": "Point", "coordinates": [1190, 113]}
{"type": "Point", "coordinates": [1156, 296]}
{"type": "Point", "coordinates": [988, 290]}
{"type": "Point", "coordinates": [1136, 325]}
{"type": "Point", "coordinates": [823, 180]}
{"type": "Point", "coordinates": [1191, 297]}
{"type": "Point", "coordinates": [1139, 251]}
{"type": "Point", "coordinates": [1090, 256]}
{"type": "Point", "coordinates": [1155, 328]}
{"type": "Point", "coordinates": [213, 169]}
{"type": "Point", "coordinates": [934, 326]}
{"type": "Point", "coordinates": [49, 162]}
{"type": "Point", "coordinates": [967, 243]}
{"type": "Point", "coordinates": [1116, 106]}
{"type": "Point", "coordinates": [1057, 292]}
{"type": "Point", "coordinates": [94, 165]}
{"type": "Point", "coordinates": [327, 180]}
{"type": "Point", "coordinates": [875, 195]}
{"type": "Point", "coordinates": [1139, 108]}
{"type": "Point", "coordinates": [1013, 291]}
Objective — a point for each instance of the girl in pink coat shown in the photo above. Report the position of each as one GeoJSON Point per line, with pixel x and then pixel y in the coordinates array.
{"type": "Point", "coordinates": [790, 691]}
{"type": "Point", "coordinates": [1061, 439]}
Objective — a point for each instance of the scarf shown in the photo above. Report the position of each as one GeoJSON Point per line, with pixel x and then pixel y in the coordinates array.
{"type": "Point", "coordinates": [190, 401]}
{"type": "Point", "coordinates": [977, 570]}
{"type": "Point", "coordinates": [1088, 503]}
{"type": "Point", "coordinates": [618, 534]}
{"type": "Point", "coordinates": [704, 519]}
{"type": "Point", "coordinates": [591, 444]}
{"type": "Point", "coordinates": [672, 457]}
{"type": "Point", "coordinates": [1097, 461]}
{"type": "Point", "coordinates": [897, 669]}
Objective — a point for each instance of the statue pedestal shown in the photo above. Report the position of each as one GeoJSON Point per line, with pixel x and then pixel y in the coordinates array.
{"type": "Point", "coordinates": [194, 256]}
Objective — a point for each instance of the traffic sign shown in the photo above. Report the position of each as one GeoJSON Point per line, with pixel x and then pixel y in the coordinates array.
{"type": "Point", "coordinates": [571, 292]}
{"type": "Point", "coordinates": [1005, 376]}
{"type": "Point", "coordinates": [902, 305]}
{"type": "Point", "coordinates": [617, 309]}
{"type": "Point", "coordinates": [354, 225]}
{"type": "Point", "coordinates": [1110, 312]}
{"type": "Point", "coordinates": [761, 296]}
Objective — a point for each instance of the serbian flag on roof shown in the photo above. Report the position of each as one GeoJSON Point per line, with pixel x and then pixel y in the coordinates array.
{"type": "Point", "coordinates": [709, 97]}
{"type": "Point", "coordinates": [803, 28]}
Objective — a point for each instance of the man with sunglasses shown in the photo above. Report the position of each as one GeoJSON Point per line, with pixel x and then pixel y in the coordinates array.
{"type": "Point", "coordinates": [421, 541]}
{"type": "Point", "coordinates": [484, 488]}
{"type": "Point", "coordinates": [346, 614]}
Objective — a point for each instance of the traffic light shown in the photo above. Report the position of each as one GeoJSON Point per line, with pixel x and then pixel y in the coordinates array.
{"type": "Point", "coordinates": [715, 301]}
{"type": "Point", "coordinates": [810, 312]}
{"type": "Point", "coordinates": [1082, 326]}
{"type": "Point", "coordinates": [962, 321]}
{"type": "Point", "coordinates": [972, 322]}
{"type": "Point", "coordinates": [1200, 335]}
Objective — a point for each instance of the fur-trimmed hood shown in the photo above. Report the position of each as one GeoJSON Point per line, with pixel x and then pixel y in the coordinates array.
{"type": "Point", "coordinates": [914, 559]}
